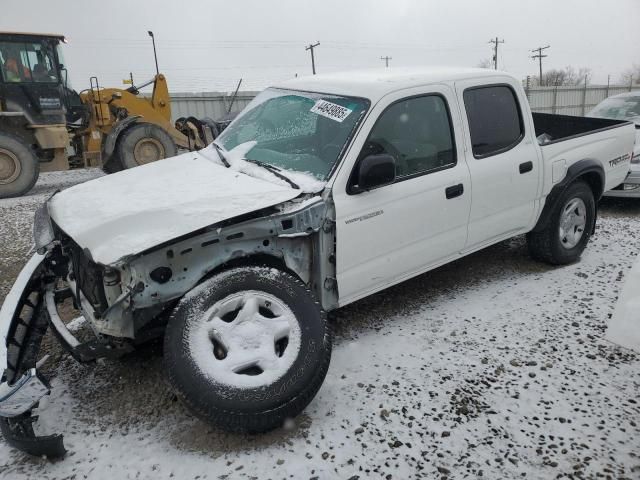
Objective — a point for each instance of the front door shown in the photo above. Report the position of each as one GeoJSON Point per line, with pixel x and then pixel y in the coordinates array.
{"type": "Point", "coordinates": [396, 231]}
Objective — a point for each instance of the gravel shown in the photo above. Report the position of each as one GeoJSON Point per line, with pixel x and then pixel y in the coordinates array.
{"type": "Point", "coordinates": [493, 366]}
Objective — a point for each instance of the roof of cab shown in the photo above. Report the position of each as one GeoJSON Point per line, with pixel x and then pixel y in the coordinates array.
{"type": "Point", "coordinates": [33, 34]}
{"type": "Point", "coordinates": [375, 83]}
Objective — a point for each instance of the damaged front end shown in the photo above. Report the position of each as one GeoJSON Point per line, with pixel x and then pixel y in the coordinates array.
{"type": "Point", "coordinates": [28, 311]}
{"type": "Point", "coordinates": [23, 324]}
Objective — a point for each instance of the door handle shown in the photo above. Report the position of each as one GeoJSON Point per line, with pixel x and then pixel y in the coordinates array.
{"type": "Point", "coordinates": [455, 191]}
{"type": "Point", "coordinates": [526, 167]}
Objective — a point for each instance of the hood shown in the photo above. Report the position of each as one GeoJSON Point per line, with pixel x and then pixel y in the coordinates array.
{"type": "Point", "coordinates": [131, 211]}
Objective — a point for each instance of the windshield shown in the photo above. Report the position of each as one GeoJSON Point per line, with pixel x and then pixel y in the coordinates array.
{"type": "Point", "coordinates": [619, 108]}
{"type": "Point", "coordinates": [299, 131]}
{"type": "Point", "coordinates": [28, 62]}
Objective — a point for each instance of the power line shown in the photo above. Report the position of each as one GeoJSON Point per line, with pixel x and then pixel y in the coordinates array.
{"type": "Point", "coordinates": [386, 60]}
{"type": "Point", "coordinates": [539, 56]}
{"type": "Point", "coordinates": [313, 60]}
{"type": "Point", "coordinates": [495, 42]}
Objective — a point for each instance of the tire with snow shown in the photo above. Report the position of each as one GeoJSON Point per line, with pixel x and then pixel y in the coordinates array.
{"type": "Point", "coordinates": [247, 349]}
{"type": "Point", "coordinates": [569, 228]}
{"type": "Point", "coordinates": [144, 143]}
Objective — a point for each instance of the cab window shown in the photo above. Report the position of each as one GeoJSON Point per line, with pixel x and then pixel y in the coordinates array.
{"type": "Point", "coordinates": [495, 121]}
{"type": "Point", "coordinates": [417, 132]}
{"type": "Point", "coordinates": [27, 62]}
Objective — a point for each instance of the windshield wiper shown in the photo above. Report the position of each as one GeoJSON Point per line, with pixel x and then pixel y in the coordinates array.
{"type": "Point", "coordinates": [275, 171]}
{"type": "Point", "coordinates": [223, 159]}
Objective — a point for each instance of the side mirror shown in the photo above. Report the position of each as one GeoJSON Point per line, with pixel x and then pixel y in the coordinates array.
{"type": "Point", "coordinates": [374, 171]}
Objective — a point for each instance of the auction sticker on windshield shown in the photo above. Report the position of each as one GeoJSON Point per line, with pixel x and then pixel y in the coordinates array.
{"type": "Point", "coordinates": [331, 110]}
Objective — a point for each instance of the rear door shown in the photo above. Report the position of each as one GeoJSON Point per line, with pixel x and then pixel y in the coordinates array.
{"type": "Point", "coordinates": [396, 231]}
{"type": "Point", "coordinates": [503, 159]}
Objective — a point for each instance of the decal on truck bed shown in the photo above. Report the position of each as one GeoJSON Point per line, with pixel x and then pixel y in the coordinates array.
{"type": "Point", "coordinates": [617, 160]}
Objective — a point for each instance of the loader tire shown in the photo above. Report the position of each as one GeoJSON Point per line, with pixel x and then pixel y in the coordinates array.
{"type": "Point", "coordinates": [19, 167]}
{"type": "Point", "coordinates": [569, 228]}
{"type": "Point", "coordinates": [144, 143]}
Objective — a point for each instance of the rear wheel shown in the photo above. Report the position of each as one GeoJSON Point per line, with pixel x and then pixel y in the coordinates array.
{"type": "Point", "coordinates": [569, 228]}
{"type": "Point", "coordinates": [248, 349]}
{"type": "Point", "coordinates": [19, 167]}
{"type": "Point", "coordinates": [144, 143]}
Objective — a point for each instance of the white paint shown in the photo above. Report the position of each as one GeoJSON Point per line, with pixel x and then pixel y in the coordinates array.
{"type": "Point", "coordinates": [376, 83]}
{"type": "Point", "coordinates": [401, 230]}
{"type": "Point", "coordinates": [131, 211]}
{"type": "Point", "coordinates": [624, 325]}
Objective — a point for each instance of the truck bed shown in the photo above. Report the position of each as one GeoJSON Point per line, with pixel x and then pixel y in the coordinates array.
{"type": "Point", "coordinates": [564, 127]}
{"type": "Point", "coordinates": [572, 139]}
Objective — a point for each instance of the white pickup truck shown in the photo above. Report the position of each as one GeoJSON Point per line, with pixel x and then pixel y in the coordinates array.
{"type": "Point", "coordinates": [324, 190]}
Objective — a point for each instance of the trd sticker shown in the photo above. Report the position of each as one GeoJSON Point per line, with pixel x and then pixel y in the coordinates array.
{"type": "Point", "coordinates": [364, 217]}
{"type": "Point", "coordinates": [617, 160]}
{"type": "Point", "coordinates": [331, 110]}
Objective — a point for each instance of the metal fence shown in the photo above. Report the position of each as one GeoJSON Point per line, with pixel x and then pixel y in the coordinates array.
{"type": "Point", "coordinates": [210, 104]}
{"type": "Point", "coordinates": [562, 100]}
{"type": "Point", "coordinates": [576, 100]}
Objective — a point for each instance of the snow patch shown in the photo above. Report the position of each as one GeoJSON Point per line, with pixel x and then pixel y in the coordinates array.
{"type": "Point", "coordinates": [131, 211]}
{"type": "Point", "coordinates": [624, 325]}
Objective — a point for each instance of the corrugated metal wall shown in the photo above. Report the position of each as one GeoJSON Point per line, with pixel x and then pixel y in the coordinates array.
{"type": "Point", "coordinates": [211, 104]}
{"type": "Point", "coordinates": [571, 100]}
{"type": "Point", "coordinates": [562, 100]}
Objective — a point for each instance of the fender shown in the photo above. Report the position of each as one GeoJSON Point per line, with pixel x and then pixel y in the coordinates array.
{"type": "Point", "coordinates": [578, 169]}
{"type": "Point", "coordinates": [112, 137]}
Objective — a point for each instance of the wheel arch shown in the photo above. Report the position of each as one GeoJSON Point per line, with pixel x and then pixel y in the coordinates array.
{"type": "Point", "coordinates": [116, 132]}
{"type": "Point", "coordinates": [261, 259]}
{"type": "Point", "coordinates": [589, 170]}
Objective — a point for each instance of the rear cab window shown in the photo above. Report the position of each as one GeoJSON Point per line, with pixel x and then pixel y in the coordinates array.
{"type": "Point", "coordinates": [495, 119]}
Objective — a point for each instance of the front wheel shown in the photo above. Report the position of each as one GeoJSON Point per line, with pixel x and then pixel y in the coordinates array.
{"type": "Point", "coordinates": [247, 349]}
{"type": "Point", "coordinates": [144, 143]}
{"type": "Point", "coordinates": [569, 228]}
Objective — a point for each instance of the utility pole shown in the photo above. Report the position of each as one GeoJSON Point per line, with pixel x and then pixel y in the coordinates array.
{"type": "Point", "coordinates": [386, 60]}
{"type": "Point", "coordinates": [495, 51]}
{"type": "Point", "coordinates": [313, 60]}
{"type": "Point", "coordinates": [539, 56]}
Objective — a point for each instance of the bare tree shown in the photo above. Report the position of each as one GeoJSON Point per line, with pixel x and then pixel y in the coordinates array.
{"type": "Point", "coordinates": [486, 63]}
{"type": "Point", "coordinates": [566, 76]}
{"type": "Point", "coordinates": [631, 74]}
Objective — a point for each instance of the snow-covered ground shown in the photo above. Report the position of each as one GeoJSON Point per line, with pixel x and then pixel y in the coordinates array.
{"type": "Point", "coordinates": [493, 366]}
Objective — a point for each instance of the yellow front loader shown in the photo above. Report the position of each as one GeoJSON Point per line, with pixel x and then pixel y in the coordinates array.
{"type": "Point", "coordinates": [125, 129]}
{"type": "Point", "coordinates": [41, 117]}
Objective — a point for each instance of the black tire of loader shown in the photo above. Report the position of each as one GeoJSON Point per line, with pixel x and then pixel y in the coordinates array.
{"type": "Point", "coordinates": [141, 131]}
{"type": "Point", "coordinates": [251, 410]}
{"type": "Point", "coordinates": [29, 166]}
{"type": "Point", "coordinates": [546, 246]}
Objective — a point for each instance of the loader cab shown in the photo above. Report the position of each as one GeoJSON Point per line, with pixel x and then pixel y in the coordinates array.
{"type": "Point", "coordinates": [32, 79]}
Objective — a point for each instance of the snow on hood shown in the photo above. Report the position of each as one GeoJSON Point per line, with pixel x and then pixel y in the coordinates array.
{"type": "Point", "coordinates": [128, 212]}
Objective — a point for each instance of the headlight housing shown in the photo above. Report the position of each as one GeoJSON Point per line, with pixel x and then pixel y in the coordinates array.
{"type": "Point", "coordinates": [42, 229]}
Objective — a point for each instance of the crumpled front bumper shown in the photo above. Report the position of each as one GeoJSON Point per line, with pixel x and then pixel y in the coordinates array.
{"type": "Point", "coordinates": [23, 323]}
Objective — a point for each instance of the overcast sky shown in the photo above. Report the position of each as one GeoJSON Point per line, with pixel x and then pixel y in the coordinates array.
{"type": "Point", "coordinates": [208, 45]}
